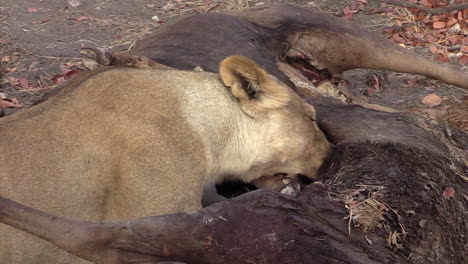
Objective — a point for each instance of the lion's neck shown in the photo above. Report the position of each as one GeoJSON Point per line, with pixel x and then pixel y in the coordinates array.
{"type": "Point", "coordinates": [232, 139]}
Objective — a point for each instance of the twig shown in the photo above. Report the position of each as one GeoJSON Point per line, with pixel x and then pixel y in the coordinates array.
{"type": "Point", "coordinates": [211, 8]}
{"type": "Point", "coordinates": [402, 26]}
{"type": "Point", "coordinates": [131, 45]}
{"type": "Point", "coordinates": [449, 48]}
{"type": "Point", "coordinates": [431, 11]}
{"type": "Point", "coordinates": [7, 15]}
{"type": "Point", "coordinates": [35, 89]}
{"type": "Point", "coordinates": [350, 220]}
{"type": "Point", "coordinates": [56, 58]}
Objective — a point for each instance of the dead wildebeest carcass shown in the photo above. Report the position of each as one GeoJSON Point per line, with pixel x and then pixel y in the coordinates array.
{"type": "Point", "coordinates": [272, 34]}
{"type": "Point", "coordinates": [402, 178]}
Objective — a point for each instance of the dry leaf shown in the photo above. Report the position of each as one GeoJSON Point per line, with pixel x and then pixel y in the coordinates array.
{"type": "Point", "coordinates": [5, 58]}
{"type": "Point", "coordinates": [454, 40]}
{"type": "Point", "coordinates": [80, 18]}
{"type": "Point", "coordinates": [434, 50]}
{"type": "Point", "coordinates": [421, 16]}
{"type": "Point", "coordinates": [451, 22]}
{"type": "Point", "coordinates": [435, 114]}
{"type": "Point", "coordinates": [442, 57]}
{"type": "Point", "coordinates": [348, 13]}
{"type": "Point", "coordinates": [430, 38]}
{"type": "Point", "coordinates": [463, 60]}
{"type": "Point", "coordinates": [32, 10]}
{"type": "Point", "coordinates": [24, 83]}
{"type": "Point", "coordinates": [439, 24]}
{"type": "Point", "coordinates": [432, 100]}
{"type": "Point", "coordinates": [10, 103]}
{"type": "Point", "coordinates": [398, 39]}
{"type": "Point", "coordinates": [448, 193]}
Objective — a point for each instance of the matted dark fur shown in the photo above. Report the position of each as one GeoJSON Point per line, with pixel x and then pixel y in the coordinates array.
{"type": "Point", "coordinates": [354, 124]}
{"type": "Point", "coordinates": [411, 182]}
{"type": "Point", "coordinates": [190, 42]}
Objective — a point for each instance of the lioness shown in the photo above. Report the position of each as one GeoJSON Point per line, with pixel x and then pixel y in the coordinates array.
{"type": "Point", "coordinates": [121, 143]}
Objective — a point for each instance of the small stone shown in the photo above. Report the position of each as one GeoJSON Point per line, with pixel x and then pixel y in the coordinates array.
{"type": "Point", "coordinates": [155, 18]}
{"type": "Point", "coordinates": [422, 223]}
{"type": "Point", "coordinates": [293, 189]}
{"type": "Point", "coordinates": [455, 29]}
{"type": "Point", "coordinates": [169, 6]}
{"type": "Point", "coordinates": [74, 3]}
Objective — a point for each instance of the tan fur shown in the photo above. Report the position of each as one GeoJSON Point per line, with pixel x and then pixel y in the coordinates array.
{"type": "Point", "coordinates": [125, 143]}
{"type": "Point", "coordinates": [270, 95]}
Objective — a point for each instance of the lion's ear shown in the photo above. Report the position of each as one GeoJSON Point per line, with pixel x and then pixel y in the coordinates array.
{"type": "Point", "coordinates": [253, 86]}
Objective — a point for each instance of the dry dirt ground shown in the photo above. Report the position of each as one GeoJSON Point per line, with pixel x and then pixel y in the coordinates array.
{"type": "Point", "coordinates": [40, 42]}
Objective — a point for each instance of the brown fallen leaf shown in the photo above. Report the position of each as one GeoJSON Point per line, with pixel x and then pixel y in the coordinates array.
{"type": "Point", "coordinates": [463, 60]}
{"type": "Point", "coordinates": [451, 22]}
{"type": "Point", "coordinates": [5, 58]}
{"type": "Point", "coordinates": [421, 16]}
{"type": "Point", "coordinates": [435, 114]}
{"type": "Point", "coordinates": [398, 38]}
{"type": "Point", "coordinates": [10, 103]}
{"type": "Point", "coordinates": [80, 18]}
{"type": "Point", "coordinates": [454, 40]}
{"type": "Point", "coordinates": [24, 83]}
{"type": "Point", "coordinates": [430, 38]}
{"type": "Point", "coordinates": [348, 13]}
{"type": "Point", "coordinates": [448, 193]}
{"type": "Point", "coordinates": [32, 10]}
{"type": "Point", "coordinates": [432, 100]}
{"type": "Point", "coordinates": [439, 24]}
{"type": "Point", "coordinates": [442, 57]}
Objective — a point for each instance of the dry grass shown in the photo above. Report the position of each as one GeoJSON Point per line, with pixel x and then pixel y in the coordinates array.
{"type": "Point", "coordinates": [367, 211]}
{"type": "Point", "coordinates": [181, 8]}
{"type": "Point", "coordinates": [9, 51]}
{"type": "Point", "coordinates": [457, 116]}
